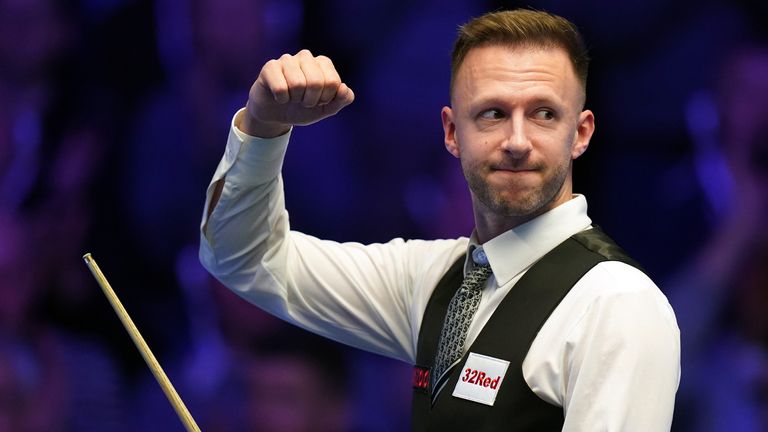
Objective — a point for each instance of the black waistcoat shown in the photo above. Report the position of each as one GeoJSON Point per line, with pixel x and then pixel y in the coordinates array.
{"type": "Point", "coordinates": [507, 335]}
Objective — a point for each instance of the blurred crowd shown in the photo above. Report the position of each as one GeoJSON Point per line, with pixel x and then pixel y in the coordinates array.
{"type": "Point", "coordinates": [114, 115]}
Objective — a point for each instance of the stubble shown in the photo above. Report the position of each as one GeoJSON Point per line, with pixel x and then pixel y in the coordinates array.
{"type": "Point", "coordinates": [515, 200]}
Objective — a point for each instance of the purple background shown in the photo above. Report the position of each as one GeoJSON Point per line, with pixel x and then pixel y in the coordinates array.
{"type": "Point", "coordinates": [114, 114]}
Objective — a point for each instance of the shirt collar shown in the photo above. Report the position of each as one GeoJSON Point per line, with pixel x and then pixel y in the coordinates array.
{"type": "Point", "coordinates": [517, 249]}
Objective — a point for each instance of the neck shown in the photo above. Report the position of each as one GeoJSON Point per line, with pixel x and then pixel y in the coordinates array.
{"type": "Point", "coordinates": [490, 224]}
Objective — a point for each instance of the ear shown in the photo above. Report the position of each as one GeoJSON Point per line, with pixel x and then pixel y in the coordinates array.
{"type": "Point", "coordinates": [449, 128]}
{"type": "Point", "coordinates": [584, 130]}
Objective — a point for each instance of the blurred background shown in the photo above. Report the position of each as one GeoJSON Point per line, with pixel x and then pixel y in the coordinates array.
{"type": "Point", "coordinates": [114, 114]}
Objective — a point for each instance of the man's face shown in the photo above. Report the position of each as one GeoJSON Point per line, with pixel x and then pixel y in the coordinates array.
{"type": "Point", "coordinates": [516, 124]}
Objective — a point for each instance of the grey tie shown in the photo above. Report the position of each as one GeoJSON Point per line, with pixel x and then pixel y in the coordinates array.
{"type": "Point", "coordinates": [462, 308]}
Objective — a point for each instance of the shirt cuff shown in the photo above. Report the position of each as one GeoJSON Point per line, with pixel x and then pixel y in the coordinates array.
{"type": "Point", "coordinates": [250, 160]}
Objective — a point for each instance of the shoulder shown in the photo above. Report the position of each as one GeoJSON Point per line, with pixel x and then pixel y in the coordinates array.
{"type": "Point", "coordinates": [415, 254]}
{"type": "Point", "coordinates": [426, 261]}
{"type": "Point", "coordinates": [418, 263]}
{"type": "Point", "coordinates": [614, 278]}
{"type": "Point", "coordinates": [615, 281]}
{"type": "Point", "coordinates": [437, 252]}
{"type": "Point", "coordinates": [614, 314]}
{"type": "Point", "coordinates": [612, 303]}
{"type": "Point", "coordinates": [614, 290]}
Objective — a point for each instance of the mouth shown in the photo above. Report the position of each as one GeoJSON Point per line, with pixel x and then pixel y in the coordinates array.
{"type": "Point", "coordinates": [507, 176]}
{"type": "Point", "coordinates": [514, 169]}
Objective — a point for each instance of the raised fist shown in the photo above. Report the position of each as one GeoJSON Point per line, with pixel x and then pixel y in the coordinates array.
{"type": "Point", "coordinates": [293, 90]}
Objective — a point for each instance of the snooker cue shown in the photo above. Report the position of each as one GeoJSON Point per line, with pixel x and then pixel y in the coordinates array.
{"type": "Point", "coordinates": [154, 366]}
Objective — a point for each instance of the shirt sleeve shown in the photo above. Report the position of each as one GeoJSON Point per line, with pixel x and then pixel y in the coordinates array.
{"type": "Point", "coordinates": [615, 365]}
{"type": "Point", "coordinates": [368, 296]}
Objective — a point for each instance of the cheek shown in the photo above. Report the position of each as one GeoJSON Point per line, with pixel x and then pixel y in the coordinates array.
{"type": "Point", "coordinates": [556, 154]}
{"type": "Point", "coordinates": [565, 143]}
{"type": "Point", "coordinates": [473, 153]}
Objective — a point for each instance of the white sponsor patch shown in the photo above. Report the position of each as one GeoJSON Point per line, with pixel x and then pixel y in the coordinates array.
{"type": "Point", "coordinates": [481, 378]}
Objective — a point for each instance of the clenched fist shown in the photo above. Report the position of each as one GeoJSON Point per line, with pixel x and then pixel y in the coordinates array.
{"type": "Point", "coordinates": [293, 90]}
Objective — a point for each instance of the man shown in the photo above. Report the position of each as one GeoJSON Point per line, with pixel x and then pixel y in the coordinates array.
{"type": "Point", "coordinates": [553, 327]}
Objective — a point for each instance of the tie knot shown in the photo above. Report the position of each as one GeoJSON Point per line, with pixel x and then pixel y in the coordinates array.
{"type": "Point", "coordinates": [479, 257]}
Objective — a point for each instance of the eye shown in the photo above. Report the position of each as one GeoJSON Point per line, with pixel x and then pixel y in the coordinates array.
{"type": "Point", "coordinates": [491, 114]}
{"type": "Point", "coordinates": [544, 114]}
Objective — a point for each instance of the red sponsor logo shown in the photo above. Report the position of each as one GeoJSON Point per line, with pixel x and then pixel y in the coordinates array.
{"type": "Point", "coordinates": [420, 378]}
{"type": "Point", "coordinates": [477, 377]}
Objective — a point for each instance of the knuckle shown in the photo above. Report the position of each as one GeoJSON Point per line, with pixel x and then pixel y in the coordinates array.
{"type": "Point", "coordinates": [279, 88]}
{"type": "Point", "coordinates": [279, 91]}
{"type": "Point", "coordinates": [332, 76]}
{"type": "Point", "coordinates": [270, 65]}
{"type": "Point", "coordinates": [314, 85]}
{"type": "Point", "coordinates": [333, 82]}
{"type": "Point", "coordinates": [295, 80]}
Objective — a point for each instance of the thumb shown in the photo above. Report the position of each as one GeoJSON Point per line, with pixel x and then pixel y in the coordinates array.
{"type": "Point", "coordinates": [344, 96]}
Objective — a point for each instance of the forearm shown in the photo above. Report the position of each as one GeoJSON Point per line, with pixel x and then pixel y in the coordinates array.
{"type": "Point", "coordinates": [251, 127]}
{"type": "Point", "coordinates": [362, 295]}
{"type": "Point", "coordinates": [243, 202]}
{"type": "Point", "coordinates": [356, 294]}
{"type": "Point", "coordinates": [245, 233]}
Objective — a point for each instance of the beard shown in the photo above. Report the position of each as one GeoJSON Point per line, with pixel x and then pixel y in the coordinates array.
{"type": "Point", "coordinates": [529, 200]}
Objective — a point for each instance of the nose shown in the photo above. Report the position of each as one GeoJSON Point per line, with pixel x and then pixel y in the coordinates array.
{"type": "Point", "coordinates": [516, 143]}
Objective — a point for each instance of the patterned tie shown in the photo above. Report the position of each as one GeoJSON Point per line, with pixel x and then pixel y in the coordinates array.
{"type": "Point", "coordinates": [460, 312]}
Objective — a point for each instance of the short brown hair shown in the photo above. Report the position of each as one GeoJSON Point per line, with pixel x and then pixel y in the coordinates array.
{"type": "Point", "coordinates": [526, 28]}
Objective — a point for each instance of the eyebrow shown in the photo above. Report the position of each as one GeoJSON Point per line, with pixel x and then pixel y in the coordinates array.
{"type": "Point", "coordinates": [494, 100]}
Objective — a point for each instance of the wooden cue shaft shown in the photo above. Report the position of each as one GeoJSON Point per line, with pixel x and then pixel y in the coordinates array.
{"type": "Point", "coordinates": [154, 366]}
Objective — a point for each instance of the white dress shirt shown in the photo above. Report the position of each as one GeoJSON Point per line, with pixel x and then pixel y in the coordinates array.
{"type": "Point", "coordinates": [609, 354]}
